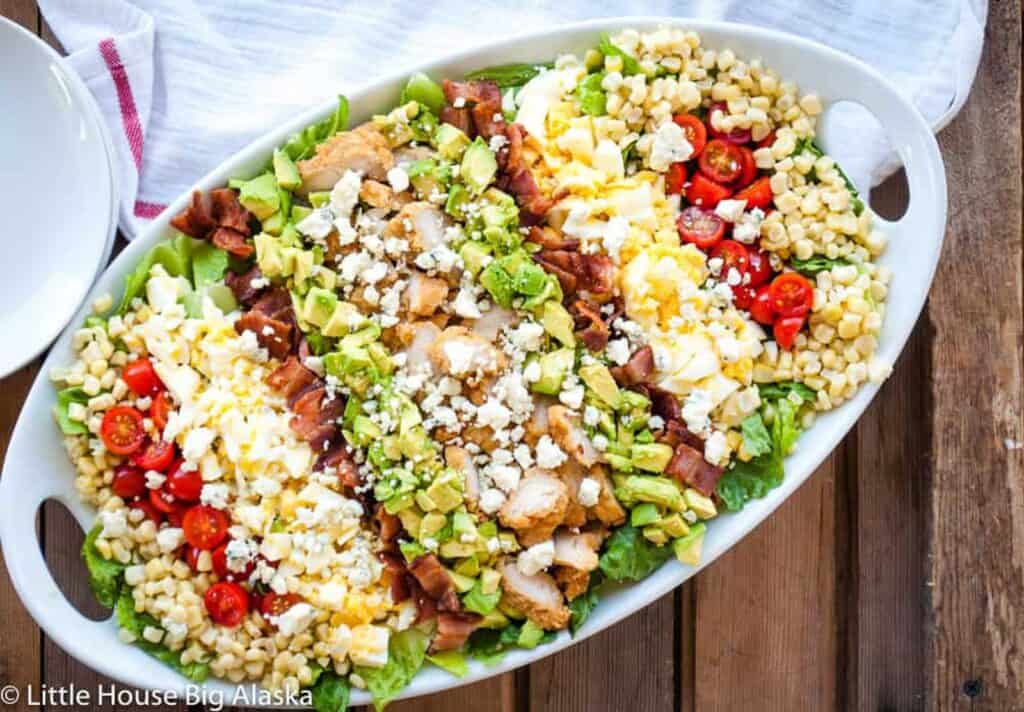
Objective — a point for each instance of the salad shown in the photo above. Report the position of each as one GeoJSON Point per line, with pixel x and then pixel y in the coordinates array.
{"type": "Point", "coordinates": [423, 388]}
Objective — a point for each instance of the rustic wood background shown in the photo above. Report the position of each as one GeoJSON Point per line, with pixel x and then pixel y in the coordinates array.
{"type": "Point", "coordinates": [892, 580]}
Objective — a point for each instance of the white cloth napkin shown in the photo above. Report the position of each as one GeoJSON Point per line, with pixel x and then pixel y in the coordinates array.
{"type": "Point", "coordinates": [185, 83]}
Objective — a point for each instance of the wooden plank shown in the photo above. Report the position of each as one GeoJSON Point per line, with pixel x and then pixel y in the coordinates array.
{"type": "Point", "coordinates": [629, 666]}
{"type": "Point", "coordinates": [23, 12]}
{"type": "Point", "coordinates": [766, 628]}
{"type": "Point", "coordinates": [976, 523]}
{"type": "Point", "coordinates": [495, 695]}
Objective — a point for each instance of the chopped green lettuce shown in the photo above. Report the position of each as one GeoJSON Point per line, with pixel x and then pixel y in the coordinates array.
{"type": "Point", "coordinates": [508, 75]}
{"type": "Point", "coordinates": [64, 399]}
{"type": "Point", "coordinates": [330, 693]}
{"type": "Point", "coordinates": [756, 439]}
{"type": "Point", "coordinates": [783, 389]}
{"type": "Point", "coordinates": [811, 266]}
{"type": "Point", "coordinates": [302, 144]}
{"type": "Point", "coordinates": [174, 255]}
{"type": "Point", "coordinates": [628, 556]}
{"type": "Point", "coordinates": [209, 263]}
{"type": "Point", "coordinates": [406, 652]}
{"type": "Point", "coordinates": [479, 602]}
{"type": "Point", "coordinates": [421, 88]}
{"type": "Point", "coordinates": [591, 96]}
{"type": "Point", "coordinates": [453, 661]}
{"type": "Point", "coordinates": [629, 64]}
{"type": "Point", "coordinates": [105, 576]}
{"type": "Point", "coordinates": [489, 646]}
{"type": "Point", "coordinates": [134, 622]}
{"type": "Point", "coordinates": [581, 606]}
{"type": "Point", "coordinates": [807, 144]}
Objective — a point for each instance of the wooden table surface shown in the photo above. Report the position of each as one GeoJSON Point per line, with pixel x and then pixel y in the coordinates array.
{"type": "Point", "coordinates": [892, 580]}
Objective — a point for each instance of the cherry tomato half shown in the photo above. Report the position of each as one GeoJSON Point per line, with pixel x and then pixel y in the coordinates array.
{"type": "Point", "coordinates": [767, 141]}
{"type": "Point", "coordinates": [761, 308]}
{"type": "Point", "coordinates": [163, 500]}
{"type": "Point", "coordinates": [696, 133]}
{"type": "Point", "coordinates": [122, 431]}
{"type": "Point", "coordinates": [160, 409]}
{"type": "Point", "coordinates": [185, 485]}
{"type": "Point", "coordinates": [721, 161]}
{"type": "Point", "coordinates": [272, 604]}
{"type": "Point", "coordinates": [141, 377]}
{"type": "Point", "coordinates": [700, 227]}
{"type": "Point", "coordinates": [736, 136]}
{"type": "Point", "coordinates": [786, 329]}
{"type": "Point", "coordinates": [759, 267]}
{"type": "Point", "coordinates": [748, 167]}
{"type": "Point", "coordinates": [743, 296]}
{"type": "Point", "coordinates": [675, 179]}
{"type": "Point", "coordinates": [758, 194]}
{"type": "Point", "coordinates": [705, 192]}
{"type": "Point", "coordinates": [220, 565]}
{"type": "Point", "coordinates": [128, 482]}
{"type": "Point", "coordinates": [227, 603]}
{"type": "Point", "coordinates": [155, 456]}
{"type": "Point", "coordinates": [734, 257]}
{"type": "Point", "coordinates": [205, 527]}
{"type": "Point", "coordinates": [792, 295]}
{"type": "Point", "coordinates": [152, 513]}
{"type": "Point", "coordinates": [177, 517]}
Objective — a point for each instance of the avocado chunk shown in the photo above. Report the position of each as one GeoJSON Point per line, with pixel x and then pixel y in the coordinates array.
{"type": "Point", "coordinates": [475, 256]}
{"type": "Point", "coordinates": [702, 506]}
{"type": "Point", "coordinates": [432, 523]}
{"type": "Point", "coordinates": [644, 514]}
{"type": "Point", "coordinates": [498, 283]}
{"type": "Point", "coordinates": [344, 319]}
{"type": "Point", "coordinates": [478, 167]}
{"type": "Point", "coordinates": [268, 255]}
{"type": "Point", "coordinates": [429, 177]}
{"type": "Point", "coordinates": [554, 367]}
{"type": "Point", "coordinates": [530, 279]}
{"type": "Point", "coordinates": [451, 142]}
{"type": "Point", "coordinates": [260, 196]}
{"type": "Point", "coordinates": [630, 489]}
{"type": "Point", "coordinates": [285, 171]}
{"type": "Point", "coordinates": [674, 525]}
{"type": "Point", "coordinates": [656, 535]}
{"type": "Point", "coordinates": [365, 431]}
{"type": "Point", "coordinates": [426, 91]}
{"type": "Point", "coordinates": [495, 620]}
{"type": "Point", "coordinates": [634, 401]}
{"type": "Point", "coordinates": [463, 527]}
{"type": "Point", "coordinates": [599, 379]}
{"type": "Point", "coordinates": [558, 322]}
{"type": "Point", "coordinates": [652, 457]}
{"type": "Point", "coordinates": [530, 635]}
{"type": "Point", "coordinates": [552, 291]}
{"type": "Point", "coordinates": [318, 306]}
{"type": "Point", "coordinates": [687, 548]}
{"type": "Point", "coordinates": [454, 549]}
{"type": "Point", "coordinates": [619, 463]}
{"type": "Point", "coordinates": [445, 496]}
{"type": "Point", "coordinates": [462, 583]}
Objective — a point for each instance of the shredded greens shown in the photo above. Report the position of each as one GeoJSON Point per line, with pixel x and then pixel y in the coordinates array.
{"type": "Point", "coordinates": [105, 576]}
{"type": "Point", "coordinates": [64, 399]}
{"type": "Point", "coordinates": [591, 96]}
{"type": "Point", "coordinates": [509, 75]}
{"type": "Point", "coordinates": [628, 556]}
{"type": "Point", "coordinates": [302, 144]}
{"type": "Point", "coordinates": [330, 692]}
{"type": "Point", "coordinates": [608, 49]}
{"type": "Point", "coordinates": [135, 623]}
{"type": "Point", "coordinates": [811, 266]}
{"type": "Point", "coordinates": [406, 652]}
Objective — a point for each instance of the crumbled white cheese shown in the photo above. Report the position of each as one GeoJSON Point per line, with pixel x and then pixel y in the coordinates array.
{"type": "Point", "coordinates": [549, 455]}
{"type": "Point", "coordinates": [398, 179]}
{"type": "Point", "coordinates": [730, 210]}
{"type": "Point", "coordinates": [618, 351]}
{"type": "Point", "coordinates": [589, 491]}
{"type": "Point", "coordinates": [669, 146]}
{"type": "Point", "coordinates": [537, 558]}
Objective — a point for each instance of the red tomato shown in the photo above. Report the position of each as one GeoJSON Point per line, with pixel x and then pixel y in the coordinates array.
{"type": "Point", "coordinates": [205, 527]}
{"type": "Point", "coordinates": [791, 294]}
{"type": "Point", "coordinates": [141, 377]}
{"type": "Point", "coordinates": [767, 141]}
{"type": "Point", "coordinates": [122, 431]}
{"type": "Point", "coordinates": [695, 131]}
{"type": "Point", "coordinates": [736, 136]}
{"type": "Point", "coordinates": [748, 167]}
{"type": "Point", "coordinates": [273, 605]}
{"type": "Point", "coordinates": [700, 227]}
{"type": "Point", "coordinates": [177, 517]}
{"type": "Point", "coordinates": [761, 308]}
{"type": "Point", "coordinates": [220, 565]}
{"type": "Point", "coordinates": [155, 456]}
{"type": "Point", "coordinates": [759, 267]}
{"type": "Point", "coordinates": [128, 482]}
{"type": "Point", "coordinates": [721, 161]}
{"type": "Point", "coordinates": [705, 192]}
{"type": "Point", "coordinates": [160, 410]}
{"type": "Point", "coordinates": [734, 256]}
{"type": "Point", "coordinates": [786, 329]}
{"type": "Point", "coordinates": [758, 194]}
{"type": "Point", "coordinates": [163, 500]}
{"type": "Point", "coordinates": [185, 485]}
{"type": "Point", "coordinates": [192, 557]}
{"type": "Point", "coordinates": [152, 513]}
{"type": "Point", "coordinates": [227, 603]}
{"type": "Point", "coordinates": [743, 296]}
{"type": "Point", "coordinates": [675, 178]}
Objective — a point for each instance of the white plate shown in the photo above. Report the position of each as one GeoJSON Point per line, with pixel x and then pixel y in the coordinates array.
{"type": "Point", "coordinates": [37, 469]}
{"type": "Point", "coordinates": [56, 180]}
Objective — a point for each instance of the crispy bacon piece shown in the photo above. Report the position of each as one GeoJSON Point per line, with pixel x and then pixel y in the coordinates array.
{"type": "Point", "coordinates": [228, 212]}
{"type": "Point", "coordinates": [510, 157]}
{"type": "Point", "coordinates": [483, 98]}
{"type": "Point", "coordinates": [431, 576]}
{"type": "Point", "coordinates": [398, 575]}
{"type": "Point", "coordinates": [562, 264]}
{"type": "Point", "coordinates": [689, 467]}
{"type": "Point", "coordinates": [575, 271]}
{"type": "Point", "coordinates": [390, 525]}
{"type": "Point", "coordinates": [675, 432]}
{"type": "Point", "coordinates": [291, 379]}
{"type": "Point", "coordinates": [221, 219]}
{"type": "Point", "coordinates": [453, 629]}
{"type": "Point", "coordinates": [599, 271]}
{"type": "Point", "coordinates": [273, 334]}
{"type": "Point", "coordinates": [551, 239]}
{"type": "Point", "coordinates": [195, 220]}
{"type": "Point", "coordinates": [459, 118]}
{"type": "Point", "coordinates": [232, 241]}
{"type": "Point", "coordinates": [426, 607]}
{"type": "Point", "coordinates": [590, 327]}
{"type": "Point", "coordinates": [533, 206]}
{"type": "Point", "coordinates": [273, 303]}
{"type": "Point", "coordinates": [241, 286]}
{"type": "Point", "coordinates": [308, 418]}
{"type": "Point", "coordinates": [664, 404]}
{"type": "Point", "coordinates": [637, 370]}
{"type": "Point", "coordinates": [489, 120]}
{"type": "Point", "coordinates": [339, 457]}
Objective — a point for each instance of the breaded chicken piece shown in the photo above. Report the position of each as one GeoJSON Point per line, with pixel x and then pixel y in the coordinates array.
{"type": "Point", "coordinates": [460, 353]}
{"type": "Point", "coordinates": [536, 508]}
{"type": "Point", "coordinates": [424, 295]}
{"type": "Point", "coordinates": [363, 149]}
{"type": "Point", "coordinates": [535, 596]}
{"type": "Point", "coordinates": [567, 432]}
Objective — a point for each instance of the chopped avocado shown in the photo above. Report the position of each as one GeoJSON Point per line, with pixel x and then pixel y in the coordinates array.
{"type": "Point", "coordinates": [478, 166]}
{"type": "Point", "coordinates": [475, 256]}
{"type": "Point", "coordinates": [620, 463]}
{"type": "Point", "coordinates": [552, 291]}
{"type": "Point", "coordinates": [444, 495]}
{"type": "Point", "coordinates": [530, 279]}
{"type": "Point", "coordinates": [508, 541]}
{"type": "Point", "coordinates": [432, 523]}
{"type": "Point", "coordinates": [674, 525]}
{"type": "Point", "coordinates": [644, 514]}
{"type": "Point", "coordinates": [260, 196]}
{"type": "Point", "coordinates": [634, 401]}
{"type": "Point", "coordinates": [222, 297]}
{"type": "Point", "coordinates": [365, 430]}
{"type": "Point", "coordinates": [498, 283]}
{"type": "Point", "coordinates": [469, 566]}
{"type": "Point", "coordinates": [630, 489]}
{"type": "Point", "coordinates": [463, 526]}
{"type": "Point", "coordinates": [495, 620]}
{"type": "Point", "coordinates": [530, 635]}
{"type": "Point", "coordinates": [343, 319]}
{"type": "Point", "coordinates": [599, 379]}
{"type": "Point", "coordinates": [411, 550]}
{"type": "Point", "coordinates": [424, 90]}
{"type": "Point", "coordinates": [274, 224]}
{"type": "Point", "coordinates": [268, 255]}
{"type": "Point", "coordinates": [300, 213]}
{"type": "Point", "coordinates": [451, 142]}
{"type": "Point", "coordinates": [653, 457]}
{"type": "Point", "coordinates": [656, 535]}
{"type": "Point", "coordinates": [318, 306]}
{"type": "Point", "coordinates": [454, 549]}
{"type": "Point", "coordinates": [554, 367]}
{"type": "Point", "coordinates": [480, 601]}
{"type": "Point", "coordinates": [559, 323]}
{"type": "Point", "coordinates": [411, 519]}
{"type": "Point", "coordinates": [285, 171]}
{"type": "Point", "coordinates": [320, 198]}
{"type": "Point", "coordinates": [458, 197]}
{"type": "Point", "coordinates": [702, 506]}
{"type": "Point", "coordinates": [462, 583]}
{"type": "Point", "coordinates": [429, 177]}
{"type": "Point", "coordinates": [348, 361]}
{"type": "Point", "coordinates": [687, 548]}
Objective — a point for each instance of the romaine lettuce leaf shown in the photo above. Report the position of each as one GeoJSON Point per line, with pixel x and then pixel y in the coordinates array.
{"type": "Point", "coordinates": [591, 96]}
{"type": "Point", "coordinates": [453, 661]}
{"type": "Point", "coordinates": [756, 439]}
{"type": "Point", "coordinates": [134, 622]}
{"type": "Point", "coordinates": [302, 144]}
{"type": "Point", "coordinates": [628, 556]}
{"type": "Point", "coordinates": [105, 576]}
{"type": "Point", "coordinates": [508, 75]}
{"type": "Point", "coordinates": [64, 399]}
{"type": "Point", "coordinates": [479, 602]}
{"type": "Point", "coordinates": [582, 605]}
{"type": "Point", "coordinates": [819, 263]}
{"type": "Point", "coordinates": [406, 652]}
{"type": "Point", "coordinates": [489, 646]}
{"type": "Point", "coordinates": [330, 693]}
{"type": "Point", "coordinates": [775, 391]}
{"type": "Point", "coordinates": [629, 64]}
{"type": "Point", "coordinates": [209, 263]}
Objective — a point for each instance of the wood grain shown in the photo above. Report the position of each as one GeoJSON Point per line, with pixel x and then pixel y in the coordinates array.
{"type": "Point", "coordinates": [976, 527]}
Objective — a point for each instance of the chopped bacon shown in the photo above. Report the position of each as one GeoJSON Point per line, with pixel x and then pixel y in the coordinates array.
{"type": "Point", "coordinates": [195, 220]}
{"type": "Point", "coordinates": [489, 120]}
{"type": "Point", "coordinates": [394, 564]}
{"type": "Point", "coordinates": [689, 467]}
{"type": "Point", "coordinates": [637, 370]}
{"type": "Point", "coordinates": [459, 118]}
{"type": "Point", "coordinates": [590, 327]}
{"type": "Point", "coordinates": [222, 220]}
{"type": "Point", "coordinates": [291, 378]}
{"type": "Point", "coordinates": [533, 206]}
{"type": "Point", "coordinates": [483, 98]}
{"type": "Point", "coordinates": [390, 525]}
{"type": "Point", "coordinates": [307, 408]}
{"type": "Point", "coordinates": [575, 271]}
{"type": "Point", "coordinates": [228, 212]}
{"type": "Point", "coordinates": [664, 404]}
{"type": "Point", "coordinates": [551, 239]}
{"type": "Point", "coordinates": [339, 457]}
{"type": "Point", "coordinates": [241, 286]}
{"type": "Point", "coordinates": [599, 271]}
{"type": "Point", "coordinates": [431, 576]}
{"type": "Point", "coordinates": [273, 334]}
{"type": "Point", "coordinates": [510, 156]}
{"type": "Point", "coordinates": [675, 432]}
{"type": "Point", "coordinates": [449, 601]}
{"type": "Point", "coordinates": [562, 264]}
{"type": "Point", "coordinates": [232, 241]}
{"type": "Point", "coordinates": [273, 303]}
{"type": "Point", "coordinates": [426, 607]}
{"type": "Point", "coordinates": [453, 629]}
